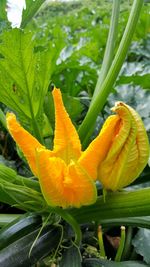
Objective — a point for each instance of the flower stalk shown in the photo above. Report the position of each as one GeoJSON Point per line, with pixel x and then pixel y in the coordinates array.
{"type": "Point", "coordinates": [100, 242]}
{"type": "Point", "coordinates": [110, 47]}
{"type": "Point", "coordinates": [121, 245]}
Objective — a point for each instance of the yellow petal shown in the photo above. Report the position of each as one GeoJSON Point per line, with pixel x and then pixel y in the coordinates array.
{"type": "Point", "coordinates": [139, 152]}
{"type": "Point", "coordinates": [27, 143]}
{"type": "Point", "coordinates": [128, 153]}
{"type": "Point", "coordinates": [99, 147]}
{"type": "Point", "coordinates": [66, 141]}
{"type": "Point", "coordinates": [62, 185]}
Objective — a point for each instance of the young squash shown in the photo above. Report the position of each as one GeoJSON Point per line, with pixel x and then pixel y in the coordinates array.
{"type": "Point", "coordinates": [18, 253]}
{"type": "Point", "coordinates": [18, 228]}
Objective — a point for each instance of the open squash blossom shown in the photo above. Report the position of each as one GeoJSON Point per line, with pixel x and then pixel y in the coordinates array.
{"type": "Point", "coordinates": [66, 174]}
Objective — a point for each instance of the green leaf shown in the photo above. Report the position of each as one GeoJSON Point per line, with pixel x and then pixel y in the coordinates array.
{"type": "Point", "coordinates": [141, 243]}
{"type": "Point", "coordinates": [142, 80]}
{"type": "Point", "coordinates": [25, 75]}
{"type": "Point", "coordinates": [32, 7]}
{"type": "Point", "coordinates": [106, 263]}
{"type": "Point", "coordinates": [19, 72]}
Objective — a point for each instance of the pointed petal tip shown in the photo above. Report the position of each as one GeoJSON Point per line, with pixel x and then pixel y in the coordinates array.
{"type": "Point", "coordinates": [56, 91]}
{"type": "Point", "coordinates": [117, 105]}
{"type": "Point", "coordinates": [10, 115]}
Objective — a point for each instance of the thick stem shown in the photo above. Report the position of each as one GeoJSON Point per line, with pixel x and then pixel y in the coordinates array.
{"type": "Point", "coordinates": [117, 205]}
{"type": "Point", "coordinates": [110, 46]}
{"type": "Point", "coordinates": [99, 101]}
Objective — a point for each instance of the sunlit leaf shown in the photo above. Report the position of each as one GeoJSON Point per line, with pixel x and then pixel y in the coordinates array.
{"type": "Point", "coordinates": [24, 72]}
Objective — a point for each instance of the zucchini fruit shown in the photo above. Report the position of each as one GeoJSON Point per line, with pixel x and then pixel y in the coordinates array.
{"type": "Point", "coordinates": [17, 253]}
{"type": "Point", "coordinates": [18, 228]}
{"type": "Point", "coordinates": [71, 258]}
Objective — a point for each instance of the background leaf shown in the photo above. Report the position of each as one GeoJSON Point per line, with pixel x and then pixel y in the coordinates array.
{"type": "Point", "coordinates": [31, 9]}
{"type": "Point", "coordinates": [141, 243]}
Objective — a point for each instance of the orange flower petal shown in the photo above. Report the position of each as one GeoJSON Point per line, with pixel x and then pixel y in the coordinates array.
{"type": "Point", "coordinates": [66, 141]}
{"type": "Point", "coordinates": [64, 185]}
{"type": "Point", "coordinates": [27, 143]}
{"type": "Point", "coordinates": [99, 147]}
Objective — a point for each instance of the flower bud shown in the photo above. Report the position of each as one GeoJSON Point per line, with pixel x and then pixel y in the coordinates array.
{"type": "Point", "coordinates": [128, 152]}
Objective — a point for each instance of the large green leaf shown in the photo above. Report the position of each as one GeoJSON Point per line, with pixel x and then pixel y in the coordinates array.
{"type": "Point", "coordinates": [25, 72]}
{"type": "Point", "coordinates": [20, 70]}
{"type": "Point", "coordinates": [141, 243]}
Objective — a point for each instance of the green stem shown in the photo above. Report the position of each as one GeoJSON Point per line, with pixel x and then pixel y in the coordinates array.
{"type": "Point", "coordinates": [110, 46]}
{"type": "Point", "coordinates": [99, 101]}
{"type": "Point", "coordinates": [128, 244]}
{"type": "Point", "coordinates": [69, 219]}
{"type": "Point", "coordinates": [121, 246]}
{"type": "Point", "coordinates": [117, 205]}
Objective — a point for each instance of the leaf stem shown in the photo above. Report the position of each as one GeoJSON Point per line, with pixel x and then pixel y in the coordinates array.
{"type": "Point", "coordinates": [128, 244]}
{"type": "Point", "coordinates": [99, 101]}
{"type": "Point", "coordinates": [110, 46]}
{"type": "Point", "coordinates": [119, 204]}
{"type": "Point", "coordinates": [69, 219]}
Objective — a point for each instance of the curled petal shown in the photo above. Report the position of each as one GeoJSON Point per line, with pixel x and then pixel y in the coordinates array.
{"type": "Point", "coordinates": [128, 153]}
{"type": "Point", "coordinates": [62, 185]}
{"type": "Point", "coordinates": [66, 141]}
{"type": "Point", "coordinates": [27, 143]}
{"type": "Point", "coordinates": [99, 147]}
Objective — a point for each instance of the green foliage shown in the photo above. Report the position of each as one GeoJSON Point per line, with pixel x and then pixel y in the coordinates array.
{"type": "Point", "coordinates": [25, 73]}
{"type": "Point", "coordinates": [31, 9]}
{"type": "Point", "coordinates": [3, 10]}
{"type": "Point", "coordinates": [64, 45]}
{"type": "Point", "coordinates": [142, 245]}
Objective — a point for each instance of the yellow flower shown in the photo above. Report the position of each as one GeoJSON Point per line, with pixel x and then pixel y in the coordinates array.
{"type": "Point", "coordinates": [66, 174]}
{"type": "Point", "coordinates": [63, 180]}
{"type": "Point", "coordinates": [129, 150]}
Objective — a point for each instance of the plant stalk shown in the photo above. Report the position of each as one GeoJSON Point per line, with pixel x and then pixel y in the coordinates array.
{"type": "Point", "coordinates": [118, 204]}
{"type": "Point", "coordinates": [99, 101]}
{"type": "Point", "coordinates": [110, 47]}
